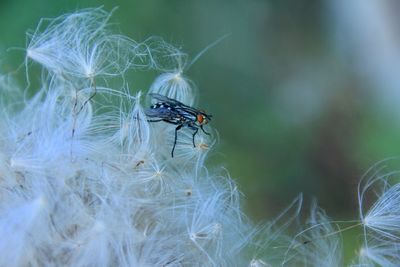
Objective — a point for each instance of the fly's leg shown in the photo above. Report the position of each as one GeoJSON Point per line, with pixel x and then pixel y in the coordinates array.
{"type": "Point", "coordinates": [201, 127]}
{"type": "Point", "coordinates": [194, 134]}
{"type": "Point", "coordinates": [176, 136]}
{"type": "Point", "coordinates": [196, 129]}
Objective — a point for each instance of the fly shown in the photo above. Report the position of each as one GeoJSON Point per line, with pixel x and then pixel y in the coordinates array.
{"type": "Point", "coordinates": [174, 112]}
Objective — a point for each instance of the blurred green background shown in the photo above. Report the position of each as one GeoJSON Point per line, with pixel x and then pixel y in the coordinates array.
{"type": "Point", "coordinates": [304, 93]}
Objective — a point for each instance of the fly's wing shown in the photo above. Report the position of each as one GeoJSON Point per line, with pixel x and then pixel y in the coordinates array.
{"type": "Point", "coordinates": [186, 109]}
{"type": "Point", "coordinates": [167, 100]}
{"type": "Point", "coordinates": [173, 102]}
{"type": "Point", "coordinates": [161, 113]}
{"type": "Point", "coordinates": [179, 107]}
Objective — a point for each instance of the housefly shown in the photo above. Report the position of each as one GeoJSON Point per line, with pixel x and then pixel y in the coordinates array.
{"type": "Point", "coordinates": [174, 112]}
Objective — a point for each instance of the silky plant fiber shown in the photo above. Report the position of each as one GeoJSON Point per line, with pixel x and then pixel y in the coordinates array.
{"type": "Point", "coordinates": [86, 180]}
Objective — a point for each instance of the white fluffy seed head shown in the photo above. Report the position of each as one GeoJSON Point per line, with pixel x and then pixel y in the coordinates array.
{"type": "Point", "coordinates": [113, 194]}
{"type": "Point", "coordinates": [174, 85]}
{"type": "Point", "coordinates": [81, 45]}
{"type": "Point", "coordinates": [94, 183]}
{"type": "Point", "coordinates": [379, 254]}
{"type": "Point", "coordinates": [384, 216]}
{"type": "Point", "coordinates": [381, 240]}
{"type": "Point", "coordinates": [382, 219]}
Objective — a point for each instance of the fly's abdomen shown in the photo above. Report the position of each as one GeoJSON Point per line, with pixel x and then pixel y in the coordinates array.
{"type": "Point", "coordinates": [161, 110]}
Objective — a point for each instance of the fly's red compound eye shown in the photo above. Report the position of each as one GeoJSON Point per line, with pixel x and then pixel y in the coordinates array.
{"type": "Point", "coordinates": [201, 119]}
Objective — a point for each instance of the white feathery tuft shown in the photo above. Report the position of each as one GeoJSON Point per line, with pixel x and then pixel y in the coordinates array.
{"type": "Point", "coordinates": [174, 85]}
{"type": "Point", "coordinates": [173, 62]}
{"type": "Point", "coordinates": [379, 254]}
{"type": "Point", "coordinates": [23, 231]}
{"type": "Point", "coordinates": [318, 244]}
{"type": "Point", "coordinates": [80, 45]}
{"type": "Point", "coordinates": [383, 218]}
{"type": "Point", "coordinates": [381, 222]}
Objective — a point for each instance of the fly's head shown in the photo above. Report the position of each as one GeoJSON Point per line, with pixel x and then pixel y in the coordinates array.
{"type": "Point", "coordinates": [203, 118]}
